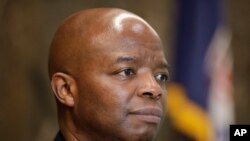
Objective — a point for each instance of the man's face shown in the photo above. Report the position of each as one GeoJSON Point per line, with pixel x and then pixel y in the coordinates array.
{"type": "Point", "coordinates": [122, 86]}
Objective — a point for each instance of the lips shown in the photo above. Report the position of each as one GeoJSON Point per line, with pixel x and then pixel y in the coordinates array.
{"type": "Point", "coordinates": [148, 115]}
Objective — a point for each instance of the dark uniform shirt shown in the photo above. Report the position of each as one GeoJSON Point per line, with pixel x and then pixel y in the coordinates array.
{"type": "Point", "coordinates": [59, 137]}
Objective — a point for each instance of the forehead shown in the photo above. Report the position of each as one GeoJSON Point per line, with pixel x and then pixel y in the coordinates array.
{"type": "Point", "coordinates": [141, 54]}
{"type": "Point", "coordinates": [128, 44]}
{"type": "Point", "coordinates": [123, 29]}
{"type": "Point", "coordinates": [124, 34]}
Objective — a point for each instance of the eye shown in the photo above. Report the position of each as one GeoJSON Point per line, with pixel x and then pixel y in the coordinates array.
{"type": "Point", "coordinates": [161, 77]}
{"type": "Point", "coordinates": [126, 72]}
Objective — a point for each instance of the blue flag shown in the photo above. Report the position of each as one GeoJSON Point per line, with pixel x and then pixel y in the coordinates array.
{"type": "Point", "coordinates": [201, 54]}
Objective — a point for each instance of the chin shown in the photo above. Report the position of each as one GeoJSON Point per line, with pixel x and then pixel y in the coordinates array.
{"type": "Point", "coordinates": [141, 137]}
{"type": "Point", "coordinates": [146, 137]}
{"type": "Point", "coordinates": [147, 134]}
{"type": "Point", "coordinates": [142, 134]}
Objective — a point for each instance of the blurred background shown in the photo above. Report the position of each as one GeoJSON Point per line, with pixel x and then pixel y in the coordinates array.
{"type": "Point", "coordinates": [206, 44]}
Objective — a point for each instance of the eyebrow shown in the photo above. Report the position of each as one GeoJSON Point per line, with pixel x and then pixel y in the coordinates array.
{"type": "Point", "coordinates": [165, 65]}
{"type": "Point", "coordinates": [123, 59]}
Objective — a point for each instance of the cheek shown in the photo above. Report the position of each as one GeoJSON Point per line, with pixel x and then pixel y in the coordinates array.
{"type": "Point", "coordinates": [115, 97]}
{"type": "Point", "coordinates": [164, 102]}
{"type": "Point", "coordinates": [105, 99]}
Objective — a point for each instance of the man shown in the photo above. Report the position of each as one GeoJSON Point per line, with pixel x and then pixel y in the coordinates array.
{"type": "Point", "coordinates": [108, 74]}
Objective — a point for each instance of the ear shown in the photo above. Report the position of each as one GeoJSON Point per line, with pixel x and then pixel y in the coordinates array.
{"type": "Point", "coordinates": [64, 88]}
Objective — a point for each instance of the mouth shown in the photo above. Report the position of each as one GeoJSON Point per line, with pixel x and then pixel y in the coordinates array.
{"type": "Point", "coordinates": [148, 115]}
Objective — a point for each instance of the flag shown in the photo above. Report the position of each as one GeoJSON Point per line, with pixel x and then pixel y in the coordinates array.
{"type": "Point", "coordinates": [199, 101]}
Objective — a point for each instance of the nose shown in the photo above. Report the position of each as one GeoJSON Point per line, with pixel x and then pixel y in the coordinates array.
{"type": "Point", "coordinates": [149, 87]}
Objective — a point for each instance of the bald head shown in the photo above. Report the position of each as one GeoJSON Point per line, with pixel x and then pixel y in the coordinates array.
{"type": "Point", "coordinates": [108, 73]}
{"type": "Point", "coordinates": [84, 31]}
